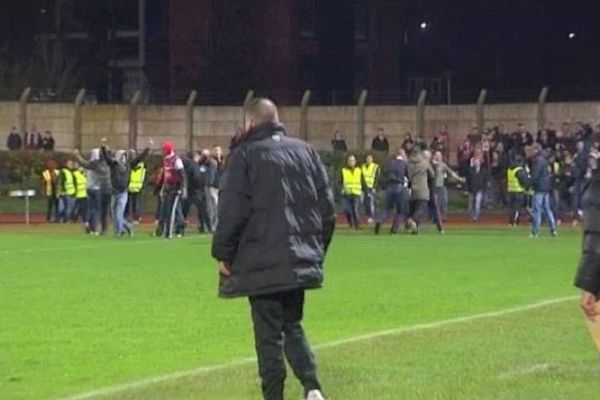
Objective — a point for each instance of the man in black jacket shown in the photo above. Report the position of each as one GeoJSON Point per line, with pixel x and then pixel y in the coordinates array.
{"type": "Point", "coordinates": [541, 185]}
{"type": "Point", "coordinates": [196, 168]}
{"type": "Point", "coordinates": [395, 178]}
{"type": "Point", "coordinates": [588, 273]}
{"type": "Point", "coordinates": [14, 141]}
{"type": "Point", "coordinates": [276, 220]}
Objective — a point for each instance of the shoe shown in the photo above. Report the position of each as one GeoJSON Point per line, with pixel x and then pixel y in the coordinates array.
{"type": "Point", "coordinates": [377, 227]}
{"type": "Point", "coordinates": [315, 395]}
{"type": "Point", "coordinates": [533, 236]}
{"type": "Point", "coordinates": [128, 230]}
{"type": "Point", "coordinates": [412, 227]}
{"type": "Point", "coordinates": [554, 233]}
{"type": "Point", "coordinates": [179, 235]}
{"type": "Point", "coordinates": [442, 232]}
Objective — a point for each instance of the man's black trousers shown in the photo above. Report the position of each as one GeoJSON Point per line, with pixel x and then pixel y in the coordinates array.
{"type": "Point", "coordinates": [516, 205]}
{"type": "Point", "coordinates": [278, 331]}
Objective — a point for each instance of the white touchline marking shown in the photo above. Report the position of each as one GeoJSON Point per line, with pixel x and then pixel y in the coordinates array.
{"type": "Point", "coordinates": [120, 242]}
{"type": "Point", "coordinates": [243, 361]}
{"type": "Point", "coordinates": [522, 371]}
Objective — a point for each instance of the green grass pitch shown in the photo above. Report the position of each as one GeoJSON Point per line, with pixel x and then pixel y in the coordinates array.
{"type": "Point", "coordinates": [474, 314]}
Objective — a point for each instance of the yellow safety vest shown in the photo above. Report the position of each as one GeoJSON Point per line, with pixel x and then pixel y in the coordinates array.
{"type": "Point", "coordinates": [370, 172]}
{"type": "Point", "coordinates": [48, 179]}
{"type": "Point", "coordinates": [80, 181]}
{"type": "Point", "coordinates": [69, 185]}
{"type": "Point", "coordinates": [352, 181]}
{"type": "Point", "coordinates": [137, 178]}
{"type": "Point", "coordinates": [513, 184]}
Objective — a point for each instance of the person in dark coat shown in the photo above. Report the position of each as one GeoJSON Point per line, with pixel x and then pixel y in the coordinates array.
{"type": "Point", "coordinates": [477, 182]}
{"type": "Point", "coordinates": [541, 185]}
{"type": "Point", "coordinates": [338, 144]}
{"type": "Point", "coordinates": [197, 169]}
{"type": "Point", "coordinates": [47, 141]}
{"type": "Point", "coordinates": [380, 143]}
{"type": "Point", "coordinates": [395, 181]}
{"type": "Point", "coordinates": [276, 220]}
{"type": "Point", "coordinates": [588, 272]}
{"type": "Point", "coordinates": [419, 174]}
{"type": "Point", "coordinates": [14, 141]}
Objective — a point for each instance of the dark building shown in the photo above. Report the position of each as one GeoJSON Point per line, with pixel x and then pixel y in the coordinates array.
{"type": "Point", "coordinates": [110, 47]}
{"type": "Point", "coordinates": [336, 48]}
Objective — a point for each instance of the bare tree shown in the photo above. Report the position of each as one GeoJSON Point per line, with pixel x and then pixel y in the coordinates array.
{"type": "Point", "coordinates": [53, 71]}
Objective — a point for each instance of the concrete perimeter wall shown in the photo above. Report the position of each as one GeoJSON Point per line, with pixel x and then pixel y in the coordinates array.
{"type": "Point", "coordinates": [216, 125]}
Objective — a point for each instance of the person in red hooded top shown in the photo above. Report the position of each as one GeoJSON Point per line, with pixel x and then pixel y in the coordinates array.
{"type": "Point", "coordinates": [174, 190]}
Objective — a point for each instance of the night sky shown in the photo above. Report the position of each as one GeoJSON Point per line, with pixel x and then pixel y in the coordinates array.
{"type": "Point", "coordinates": [507, 46]}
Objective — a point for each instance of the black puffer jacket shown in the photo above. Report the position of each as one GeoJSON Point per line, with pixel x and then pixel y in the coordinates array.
{"type": "Point", "coordinates": [588, 274]}
{"type": "Point", "coordinates": [276, 215]}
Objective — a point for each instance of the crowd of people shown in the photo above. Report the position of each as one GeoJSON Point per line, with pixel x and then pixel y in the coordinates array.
{"type": "Point", "coordinates": [540, 177]}
{"type": "Point", "coordinates": [494, 168]}
{"type": "Point", "coordinates": [566, 150]}
{"type": "Point", "coordinates": [32, 140]}
{"type": "Point", "coordinates": [113, 183]}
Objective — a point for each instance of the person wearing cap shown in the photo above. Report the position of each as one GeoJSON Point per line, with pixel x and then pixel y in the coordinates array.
{"type": "Point", "coordinates": [174, 191]}
{"type": "Point", "coordinates": [99, 191]}
{"type": "Point", "coordinates": [541, 185]}
{"type": "Point", "coordinates": [517, 182]}
{"type": "Point", "coordinates": [120, 173]}
{"type": "Point", "coordinates": [276, 220]}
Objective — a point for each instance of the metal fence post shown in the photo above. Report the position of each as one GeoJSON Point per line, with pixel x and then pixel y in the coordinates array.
{"type": "Point", "coordinates": [421, 113]}
{"type": "Point", "coordinates": [304, 115]}
{"type": "Point", "coordinates": [77, 129]}
{"type": "Point", "coordinates": [541, 108]}
{"type": "Point", "coordinates": [23, 110]}
{"type": "Point", "coordinates": [247, 99]}
{"type": "Point", "coordinates": [133, 119]}
{"type": "Point", "coordinates": [360, 119]}
{"type": "Point", "coordinates": [481, 109]}
{"type": "Point", "coordinates": [189, 120]}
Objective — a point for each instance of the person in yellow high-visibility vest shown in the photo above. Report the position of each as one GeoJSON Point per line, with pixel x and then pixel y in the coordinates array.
{"type": "Point", "coordinates": [49, 189]}
{"type": "Point", "coordinates": [370, 172]}
{"type": "Point", "coordinates": [517, 182]}
{"type": "Point", "coordinates": [352, 190]}
{"type": "Point", "coordinates": [81, 198]}
{"type": "Point", "coordinates": [66, 192]}
{"type": "Point", "coordinates": [136, 186]}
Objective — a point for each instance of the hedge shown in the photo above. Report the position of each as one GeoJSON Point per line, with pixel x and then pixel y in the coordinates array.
{"type": "Point", "coordinates": [23, 167]}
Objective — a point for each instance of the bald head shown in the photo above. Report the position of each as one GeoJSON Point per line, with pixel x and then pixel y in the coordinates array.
{"type": "Point", "coordinates": [260, 111]}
